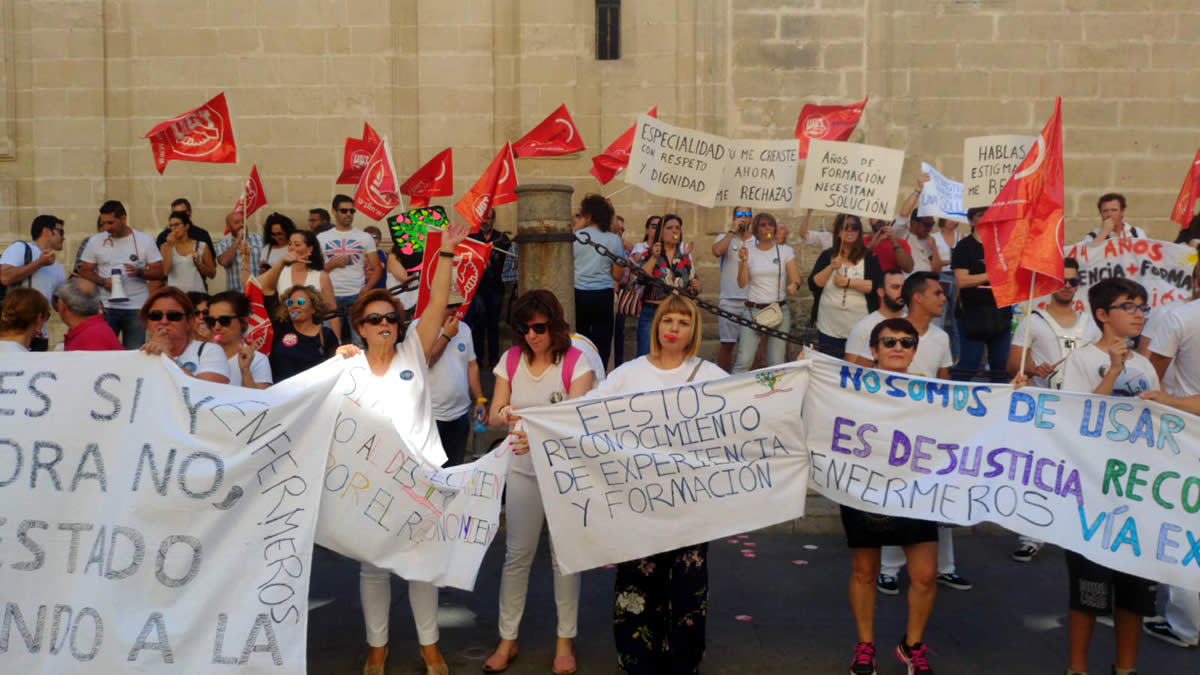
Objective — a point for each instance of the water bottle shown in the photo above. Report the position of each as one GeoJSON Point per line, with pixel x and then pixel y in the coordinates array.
{"type": "Point", "coordinates": [477, 424]}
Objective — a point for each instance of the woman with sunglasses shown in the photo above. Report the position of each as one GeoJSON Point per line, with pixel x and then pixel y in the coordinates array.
{"type": "Point", "coordinates": [22, 315]}
{"type": "Point", "coordinates": [186, 262]}
{"type": "Point", "coordinates": [893, 345]}
{"type": "Point", "coordinates": [302, 265]}
{"type": "Point", "coordinates": [227, 316]}
{"type": "Point", "coordinates": [403, 368]}
{"type": "Point", "coordinates": [843, 283]}
{"type": "Point", "coordinates": [541, 368]}
{"type": "Point", "coordinates": [276, 232]}
{"type": "Point", "coordinates": [301, 340]}
{"type": "Point", "coordinates": [167, 316]}
{"type": "Point", "coordinates": [200, 329]}
{"type": "Point", "coordinates": [670, 260]}
{"type": "Point", "coordinates": [767, 270]}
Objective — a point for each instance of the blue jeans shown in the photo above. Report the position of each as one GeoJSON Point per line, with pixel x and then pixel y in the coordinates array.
{"type": "Point", "coordinates": [997, 356]}
{"type": "Point", "coordinates": [344, 304]}
{"type": "Point", "coordinates": [645, 323]}
{"type": "Point", "coordinates": [127, 325]}
{"type": "Point", "coordinates": [748, 339]}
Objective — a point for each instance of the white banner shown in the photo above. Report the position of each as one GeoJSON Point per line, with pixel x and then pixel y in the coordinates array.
{"type": "Point", "coordinates": [629, 476]}
{"type": "Point", "coordinates": [760, 174]}
{"type": "Point", "coordinates": [941, 197]}
{"type": "Point", "coordinates": [988, 163]}
{"type": "Point", "coordinates": [1114, 479]}
{"type": "Point", "coordinates": [851, 178]}
{"type": "Point", "coordinates": [677, 163]}
{"type": "Point", "coordinates": [153, 521]}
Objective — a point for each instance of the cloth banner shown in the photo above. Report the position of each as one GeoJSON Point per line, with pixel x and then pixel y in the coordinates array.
{"type": "Point", "coordinates": [677, 163]}
{"type": "Point", "coordinates": [628, 476]}
{"type": "Point", "coordinates": [1114, 479]}
{"type": "Point", "coordinates": [760, 174]}
{"type": "Point", "coordinates": [154, 521]}
{"type": "Point", "coordinates": [988, 163]}
{"type": "Point", "coordinates": [385, 502]}
{"type": "Point", "coordinates": [941, 197]}
{"type": "Point", "coordinates": [851, 178]}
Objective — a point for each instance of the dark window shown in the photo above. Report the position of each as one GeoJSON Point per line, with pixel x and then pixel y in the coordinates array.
{"type": "Point", "coordinates": [608, 30]}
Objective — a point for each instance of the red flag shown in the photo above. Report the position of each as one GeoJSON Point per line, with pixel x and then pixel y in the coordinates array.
{"type": "Point", "coordinates": [377, 193]}
{"type": "Point", "coordinates": [827, 123]}
{"type": "Point", "coordinates": [259, 331]}
{"type": "Point", "coordinates": [1185, 203]}
{"type": "Point", "coordinates": [616, 156]}
{"type": "Point", "coordinates": [494, 187]}
{"type": "Point", "coordinates": [201, 135]}
{"type": "Point", "coordinates": [356, 154]}
{"type": "Point", "coordinates": [369, 135]}
{"type": "Point", "coordinates": [253, 196]}
{"type": "Point", "coordinates": [470, 260]}
{"type": "Point", "coordinates": [1022, 231]}
{"type": "Point", "coordinates": [435, 179]}
{"type": "Point", "coordinates": [556, 135]}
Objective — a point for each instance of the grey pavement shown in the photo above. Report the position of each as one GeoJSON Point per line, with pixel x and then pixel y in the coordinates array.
{"type": "Point", "coordinates": [799, 622]}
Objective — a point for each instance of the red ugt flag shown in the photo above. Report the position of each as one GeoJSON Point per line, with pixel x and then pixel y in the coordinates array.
{"type": "Point", "coordinates": [556, 135]}
{"type": "Point", "coordinates": [1185, 203]}
{"type": "Point", "coordinates": [377, 192]}
{"type": "Point", "coordinates": [356, 155]}
{"type": "Point", "coordinates": [827, 123]}
{"type": "Point", "coordinates": [494, 187]}
{"type": "Point", "coordinates": [201, 135]}
{"type": "Point", "coordinates": [435, 179]}
{"type": "Point", "coordinates": [254, 197]}
{"type": "Point", "coordinates": [259, 331]}
{"type": "Point", "coordinates": [470, 260]}
{"type": "Point", "coordinates": [616, 156]}
{"type": "Point", "coordinates": [1022, 231]}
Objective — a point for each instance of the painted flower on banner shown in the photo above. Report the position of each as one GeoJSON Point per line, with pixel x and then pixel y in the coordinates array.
{"type": "Point", "coordinates": [770, 379]}
{"type": "Point", "coordinates": [631, 602]}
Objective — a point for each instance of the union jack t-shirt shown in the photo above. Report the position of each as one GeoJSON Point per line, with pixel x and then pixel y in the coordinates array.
{"type": "Point", "coordinates": [347, 280]}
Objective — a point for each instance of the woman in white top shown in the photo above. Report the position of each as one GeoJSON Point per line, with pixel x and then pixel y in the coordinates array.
{"type": "Point", "coordinates": [302, 265]}
{"type": "Point", "coordinates": [228, 313]}
{"type": "Point", "coordinates": [167, 316]}
{"type": "Point", "coordinates": [767, 270]}
{"type": "Point", "coordinates": [22, 316]}
{"type": "Point", "coordinates": [844, 277]}
{"type": "Point", "coordinates": [186, 262]}
{"type": "Point", "coordinates": [377, 317]}
{"type": "Point", "coordinates": [277, 230]}
{"type": "Point", "coordinates": [663, 596]}
{"type": "Point", "coordinates": [533, 375]}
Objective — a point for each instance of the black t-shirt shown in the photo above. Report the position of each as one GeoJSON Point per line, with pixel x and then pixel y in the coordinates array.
{"type": "Point", "coordinates": [293, 352]}
{"type": "Point", "coordinates": [969, 255]}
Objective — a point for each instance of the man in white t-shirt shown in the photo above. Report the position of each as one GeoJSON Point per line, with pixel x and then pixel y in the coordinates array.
{"type": "Point", "coordinates": [453, 383]}
{"type": "Point", "coordinates": [1112, 217]}
{"type": "Point", "coordinates": [733, 297]}
{"type": "Point", "coordinates": [891, 306]}
{"type": "Point", "coordinates": [120, 252]}
{"type": "Point", "coordinates": [33, 264]}
{"type": "Point", "coordinates": [350, 261]}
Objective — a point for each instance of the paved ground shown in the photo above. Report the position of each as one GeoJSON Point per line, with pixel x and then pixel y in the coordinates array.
{"type": "Point", "coordinates": [1012, 622]}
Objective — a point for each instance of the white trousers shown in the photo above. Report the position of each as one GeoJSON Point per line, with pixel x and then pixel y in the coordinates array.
{"type": "Point", "coordinates": [1183, 613]}
{"type": "Point", "coordinates": [524, 517]}
{"type": "Point", "coordinates": [892, 557]}
{"type": "Point", "coordinates": [375, 590]}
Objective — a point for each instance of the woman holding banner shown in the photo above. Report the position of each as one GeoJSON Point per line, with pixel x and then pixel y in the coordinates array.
{"type": "Point", "coordinates": [661, 602]}
{"type": "Point", "coordinates": [167, 316]}
{"type": "Point", "coordinates": [843, 284]}
{"type": "Point", "coordinates": [377, 317]}
{"type": "Point", "coordinates": [762, 270]}
{"type": "Point", "coordinates": [541, 368]}
{"type": "Point", "coordinates": [670, 260]}
{"type": "Point", "coordinates": [229, 312]}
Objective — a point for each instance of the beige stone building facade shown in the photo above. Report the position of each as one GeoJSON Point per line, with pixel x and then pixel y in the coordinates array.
{"type": "Point", "coordinates": [81, 81]}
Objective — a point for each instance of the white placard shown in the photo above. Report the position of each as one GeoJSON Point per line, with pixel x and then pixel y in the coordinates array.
{"type": "Point", "coordinates": [941, 197]}
{"type": "Point", "coordinates": [852, 178]}
{"type": "Point", "coordinates": [677, 163]}
{"type": "Point", "coordinates": [988, 163]}
{"type": "Point", "coordinates": [760, 174]}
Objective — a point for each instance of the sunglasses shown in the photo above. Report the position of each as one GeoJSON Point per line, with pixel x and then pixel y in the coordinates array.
{"type": "Point", "coordinates": [376, 319]}
{"type": "Point", "coordinates": [1130, 307]}
{"type": "Point", "coordinates": [296, 302]}
{"type": "Point", "coordinates": [1072, 282]}
{"type": "Point", "coordinates": [172, 316]}
{"type": "Point", "coordinates": [223, 320]}
{"type": "Point", "coordinates": [344, 211]}
{"type": "Point", "coordinates": [742, 214]}
{"type": "Point", "coordinates": [906, 342]}
{"type": "Point", "coordinates": [853, 227]}
{"type": "Point", "coordinates": [539, 328]}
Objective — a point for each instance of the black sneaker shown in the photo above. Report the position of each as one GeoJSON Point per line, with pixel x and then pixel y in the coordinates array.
{"type": "Point", "coordinates": [1025, 553]}
{"type": "Point", "coordinates": [1162, 630]}
{"type": "Point", "coordinates": [887, 585]}
{"type": "Point", "coordinates": [954, 581]}
{"type": "Point", "coordinates": [864, 659]}
{"type": "Point", "coordinates": [915, 657]}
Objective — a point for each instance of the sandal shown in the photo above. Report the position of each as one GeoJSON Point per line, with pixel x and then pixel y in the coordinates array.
{"type": "Point", "coordinates": [564, 665]}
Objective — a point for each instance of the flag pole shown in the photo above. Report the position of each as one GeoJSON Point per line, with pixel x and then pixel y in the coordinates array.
{"type": "Point", "coordinates": [1028, 323]}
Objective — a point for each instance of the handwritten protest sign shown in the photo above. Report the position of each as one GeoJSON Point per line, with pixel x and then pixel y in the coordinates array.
{"type": "Point", "coordinates": [1114, 479]}
{"type": "Point", "coordinates": [760, 174]}
{"type": "Point", "coordinates": [677, 163]}
{"type": "Point", "coordinates": [628, 476]}
{"type": "Point", "coordinates": [941, 197]}
{"type": "Point", "coordinates": [153, 521]}
{"type": "Point", "coordinates": [988, 163]}
{"type": "Point", "coordinates": [851, 178]}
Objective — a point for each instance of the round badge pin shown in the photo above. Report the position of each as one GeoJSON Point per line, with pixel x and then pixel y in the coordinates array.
{"type": "Point", "coordinates": [406, 375]}
{"type": "Point", "coordinates": [556, 397]}
{"type": "Point", "coordinates": [290, 340]}
{"type": "Point", "coordinates": [462, 347]}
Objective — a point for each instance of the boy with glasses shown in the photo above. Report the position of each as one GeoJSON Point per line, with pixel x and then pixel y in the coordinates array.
{"type": "Point", "coordinates": [346, 249]}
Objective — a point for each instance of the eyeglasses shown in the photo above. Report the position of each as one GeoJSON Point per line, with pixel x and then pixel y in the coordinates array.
{"type": "Point", "coordinates": [742, 214]}
{"type": "Point", "coordinates": [1130, 307]}
{"type": "Point", "coordinates": [345, 211]}
{"type": "Point", "coordinates": [376, 319]}
{"type": "Point", "coordinates": [298, 302]}
{"type": "Point", "coordinates": [172, 316]}
{"type": "Point", "coordinates": [906, 342]}
{"type": "Point", "coordinates": [223, 320]}
{"type": "Point", "coordinates": [539, 328]}
{"type": "Point", "coordinates": [1072, 282]}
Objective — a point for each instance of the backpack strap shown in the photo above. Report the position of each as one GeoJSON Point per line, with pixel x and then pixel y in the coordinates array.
{"type": "Point", "coordinates": [568, 367]}
{"type": "Point", "coordinates": [512, 360]}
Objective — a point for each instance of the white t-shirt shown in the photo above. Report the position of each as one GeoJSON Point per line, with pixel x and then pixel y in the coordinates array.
{"type": "Point", "coordinates": [841, 308]}
{"type": "Point", "coordinates": [108, 253]}
{"type": "Point", "coordinates": [592, 355]}
{"type": "Point", "coordinates": [348, 279]}
{"type": "Point", "coordinates": [203, 357]}
{"type": "Point", "coordinates": [1086, 366]}
{"type": "Point", "coordinates": [1046, 347]}
{"type": "Point", "coordinates": [768, 273]}
{"type": "Point", "coordinates": [818, 239]}
{"type": "Point", "coordinates": [933, 353]}
{"type": "Point", "coordinates": [859, 342]}
{"type": "Point", "coordinates": [529, 391]}
{"type": "Point", "coordinates": [44, 280]}
{"type": "Point", "coordinates": [922, 254]}
{"type": "Point", "coordinates": [260, 369]}
{"type": "Point", "coordinates": [729, 268]}
{"type": "Point", "coordinates": [1175, 334]}
{"type": "Point", "coordinates": [1129, 231]}
{"type": "Point", "coordinates": [448, 386]}
{"type": "Point", "coordinates": [641, 375]}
